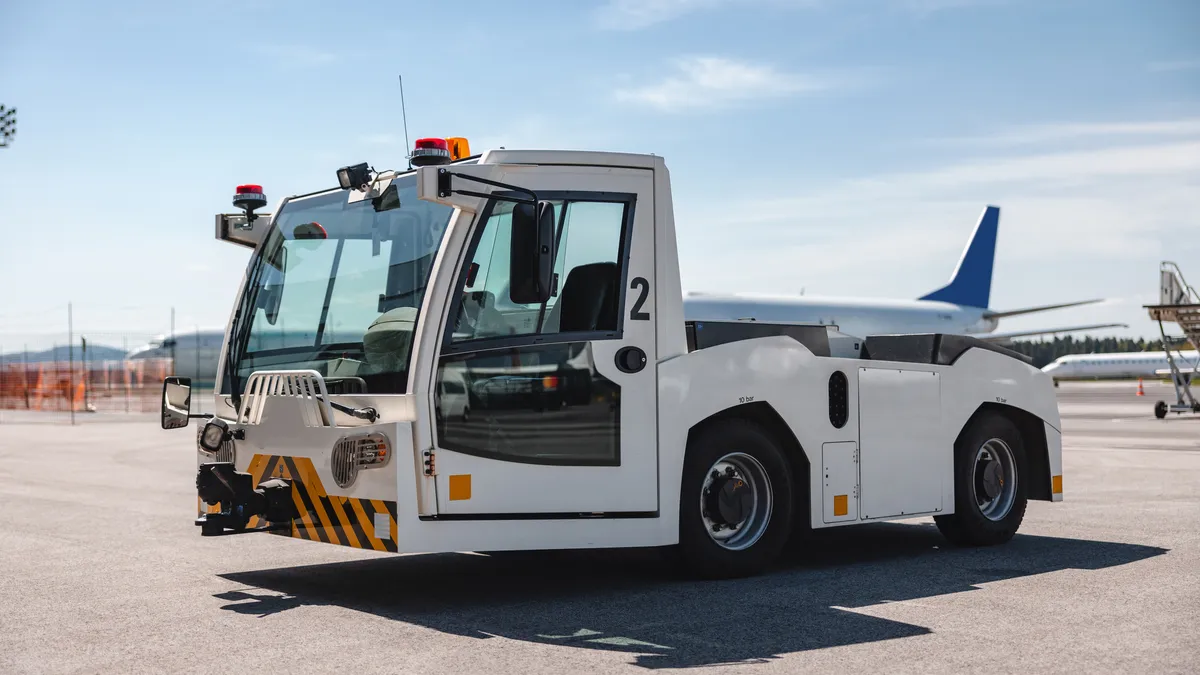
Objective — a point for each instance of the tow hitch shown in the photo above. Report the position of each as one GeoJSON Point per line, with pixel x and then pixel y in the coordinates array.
{"type": "Point", "coordinates": [219, 483]}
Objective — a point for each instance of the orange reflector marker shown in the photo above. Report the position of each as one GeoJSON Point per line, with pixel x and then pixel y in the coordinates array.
{"type": "Point", "coordinates": [841, 505]}
{"type": "Point", "coordinates": [459, 148]}
{"type": "Point", "coordinates": [550, 382]}
{"type": "Point", "coordinates": [460, 487]}
{"type": "Point", "coordinates": [1056, 485]}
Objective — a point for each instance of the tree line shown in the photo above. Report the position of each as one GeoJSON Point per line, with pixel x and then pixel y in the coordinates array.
{"type": "Point", "coordinates": [1045, 351]}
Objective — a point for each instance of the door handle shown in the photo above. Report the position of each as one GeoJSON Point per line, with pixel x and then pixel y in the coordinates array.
{"type": "Point", "coordinates": [630, 359]}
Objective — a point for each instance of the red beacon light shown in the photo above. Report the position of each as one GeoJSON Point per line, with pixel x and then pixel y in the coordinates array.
{"type": "Point", "coordinates": [248, 198]}
{"type": "Point", "coordinates": [430, 152]}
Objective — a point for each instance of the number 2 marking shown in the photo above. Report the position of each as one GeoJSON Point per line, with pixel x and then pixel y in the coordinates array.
{"type": "Point", "coordinates": [636, 314]}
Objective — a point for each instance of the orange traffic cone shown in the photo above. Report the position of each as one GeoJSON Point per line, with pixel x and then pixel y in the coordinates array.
{"type": "Point", "coordinates": [1141, 391]}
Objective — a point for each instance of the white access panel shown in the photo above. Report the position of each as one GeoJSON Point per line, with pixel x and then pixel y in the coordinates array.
{"type": "Point", "coordinates": [900, 429]}
{"type": "Point", "coordinates": [840, 480]}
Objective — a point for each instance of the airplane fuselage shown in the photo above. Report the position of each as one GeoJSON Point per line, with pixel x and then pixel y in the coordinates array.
{"type": "Point", "coordinates": [1118, 365]}
{"type": "Point", "coordinates": [854, 316]}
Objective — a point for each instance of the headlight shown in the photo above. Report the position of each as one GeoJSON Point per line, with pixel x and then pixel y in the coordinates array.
{"type": "Point", "coordinates": [214, 434]}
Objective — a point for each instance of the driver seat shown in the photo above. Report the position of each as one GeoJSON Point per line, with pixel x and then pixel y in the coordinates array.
{"type": "Point", "coordinates": [589, 300]}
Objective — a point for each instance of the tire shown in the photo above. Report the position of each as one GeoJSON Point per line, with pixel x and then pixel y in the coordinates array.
{"type": "Point", "coordinates": [1160, 409]}
{"type": "Point", "coordinates": [755, 541]}
{"type": "Point", "coordinates": [973, 524]}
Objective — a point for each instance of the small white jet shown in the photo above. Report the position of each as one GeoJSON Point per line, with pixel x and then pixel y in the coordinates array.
{"type": "Point", "coordinates": [1120, 365]}
{"type": "Point", "coordinates": [959, 307]}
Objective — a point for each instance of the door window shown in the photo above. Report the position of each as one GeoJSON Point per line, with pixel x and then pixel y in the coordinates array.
{"type": "Point", "coordinates": [543, 404]}
{"type": "Point", "coordinates": [587, 269]}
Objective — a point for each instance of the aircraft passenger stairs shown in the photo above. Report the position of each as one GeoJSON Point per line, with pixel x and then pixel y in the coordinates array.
{"type": "Point", "coordinates": [1178, 303]}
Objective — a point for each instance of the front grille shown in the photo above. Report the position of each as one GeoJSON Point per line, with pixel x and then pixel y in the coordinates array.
{"type": "Point", "coordinates": [345, 462]}
{"type": "Point", "coordinates": [352, 453]}
{"type": "Point", "coordinates": [225, 454]}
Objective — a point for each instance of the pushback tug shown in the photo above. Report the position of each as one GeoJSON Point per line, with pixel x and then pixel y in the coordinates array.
{"type": "Point", "coordinates": [490, 353]}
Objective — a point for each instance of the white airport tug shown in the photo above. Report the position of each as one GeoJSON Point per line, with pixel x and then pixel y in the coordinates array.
{"type": "Point", "coordinates": [490, 353]}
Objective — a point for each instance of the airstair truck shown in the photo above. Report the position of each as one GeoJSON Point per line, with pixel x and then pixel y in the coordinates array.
{"type": "Point", "coordinates": [491, 354]}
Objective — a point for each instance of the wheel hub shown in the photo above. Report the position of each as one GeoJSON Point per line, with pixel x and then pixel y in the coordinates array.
{"type": "Point", "coordinates": [729, 500]}
{"type": "Point", "coordinates": [736, 501]}
{"type": "Point", "coordinates": [993, 479]}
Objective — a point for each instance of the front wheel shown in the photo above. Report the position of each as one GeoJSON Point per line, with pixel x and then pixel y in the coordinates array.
{"type": "Point", "coordinates": [735, 503]}
{"type": "Point", "coordinates": [990, 484]}
{"type": "Point", "coordinates": [1160, 409]}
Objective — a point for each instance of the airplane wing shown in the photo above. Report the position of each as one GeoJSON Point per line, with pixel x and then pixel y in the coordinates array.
{"type": "Point", "coordinates": [1182, 371]}
{"type": "Point", "coordinates": [1005, 337]}
{"type": "Point", "coordinates": [1044, 308]}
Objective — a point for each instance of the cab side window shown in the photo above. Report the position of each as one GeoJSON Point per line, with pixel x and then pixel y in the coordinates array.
{"type": "Point", "coordinates": [587, 267]}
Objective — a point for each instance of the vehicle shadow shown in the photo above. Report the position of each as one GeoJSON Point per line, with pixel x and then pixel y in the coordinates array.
{"type": "Point", "coordinates": [633, 601]}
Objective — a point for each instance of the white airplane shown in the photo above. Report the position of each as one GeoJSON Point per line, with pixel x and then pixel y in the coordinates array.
{"type": "Point", "coordinates": [959, 307]}
{"type": "Point", "coordinates": [196, 353]}
{"type": "Point", "coordinates": [1120, 365]}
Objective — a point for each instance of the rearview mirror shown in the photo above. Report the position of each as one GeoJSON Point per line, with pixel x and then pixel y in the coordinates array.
{"type": "Point", "coordinates": [176, 402]}
{"type": "Point", "coordinates": [531, 254]}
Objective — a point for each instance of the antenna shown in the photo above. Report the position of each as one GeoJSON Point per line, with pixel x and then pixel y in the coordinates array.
{"type": "Point", "coordinates": [404, 118]}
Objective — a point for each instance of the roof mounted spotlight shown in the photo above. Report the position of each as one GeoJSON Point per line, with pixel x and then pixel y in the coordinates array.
{"type": "Point", "coordinates": [354, 177]}
{"type": "Point", "coordinates": [248, 198]}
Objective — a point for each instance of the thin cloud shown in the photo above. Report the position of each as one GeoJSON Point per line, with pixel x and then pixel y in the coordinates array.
{"type": "Point", "coordinates": [1082, 222]}
{"type": "Point", "coordinates": [1050, 133]}
{"type": "Point", "coordinates": [641, 14]}
{"type": "Point", "coordinates": [713, 82]}
{"type": "Point", "coordinates": [1038, 175]}
{"type": "Point", "coordinates": [296, 56]}
{"type": "Point", "coordinates": [1173, 66]}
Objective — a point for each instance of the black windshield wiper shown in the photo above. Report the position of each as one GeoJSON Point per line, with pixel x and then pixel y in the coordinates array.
{"type": "Point", "coordinates": [365, 413]}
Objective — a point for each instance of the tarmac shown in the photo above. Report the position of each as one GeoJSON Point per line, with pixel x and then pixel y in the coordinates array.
{"type": "Point", "coordinates": [103, 571]}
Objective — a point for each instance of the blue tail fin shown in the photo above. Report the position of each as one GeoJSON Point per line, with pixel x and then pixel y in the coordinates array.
{"type": "Point", "coordinates": [971, 284]}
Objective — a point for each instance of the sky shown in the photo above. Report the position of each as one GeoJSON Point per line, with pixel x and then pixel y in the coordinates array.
{"type": "Point", "coordinates": [824, 147]}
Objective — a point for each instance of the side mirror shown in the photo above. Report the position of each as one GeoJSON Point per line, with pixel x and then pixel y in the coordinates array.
{"type": "Point", "coordinates": [531, 261]}
{"type": "Point", "coordinates": [176, 402]}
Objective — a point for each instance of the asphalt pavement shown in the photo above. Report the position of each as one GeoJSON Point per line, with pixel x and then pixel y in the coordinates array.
{"type": "Point", "coordinates": [101, 570]}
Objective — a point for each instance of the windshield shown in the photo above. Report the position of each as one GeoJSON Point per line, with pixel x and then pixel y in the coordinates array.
{"type": "Point", "coordinates": [337, 289]}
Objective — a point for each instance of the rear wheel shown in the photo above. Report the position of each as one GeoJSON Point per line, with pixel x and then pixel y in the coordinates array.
{"type": "Point", "coordinates": [735, 503]}
{"type": "Point", "coordinates": [1160, 409]}
{"type": "Point", "coordinates": [989, 484]}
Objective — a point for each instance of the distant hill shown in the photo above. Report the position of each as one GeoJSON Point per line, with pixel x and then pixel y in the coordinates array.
{"type": "Point", "coordinates": [94, 353]}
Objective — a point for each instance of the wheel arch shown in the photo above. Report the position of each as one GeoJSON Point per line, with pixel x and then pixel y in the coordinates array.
{"type": "Point", "coordinates": [1033, 436]}
{"type": "Point", "coordinates": [763, 415]}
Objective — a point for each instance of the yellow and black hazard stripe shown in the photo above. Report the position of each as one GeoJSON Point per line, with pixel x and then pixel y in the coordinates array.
{"type": "Point", "coordinates": [331, 519]}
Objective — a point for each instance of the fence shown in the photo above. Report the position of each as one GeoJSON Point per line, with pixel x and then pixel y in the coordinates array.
{"type": "Point", "coordinates": [95, 386]}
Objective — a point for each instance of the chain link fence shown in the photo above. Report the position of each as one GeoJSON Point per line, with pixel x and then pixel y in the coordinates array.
{"type": "Point", "coordinates": [103, 372]}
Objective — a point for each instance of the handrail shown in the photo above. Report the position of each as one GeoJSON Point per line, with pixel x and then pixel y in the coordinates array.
{"type": "Point", "coordinates": [1167, 266]}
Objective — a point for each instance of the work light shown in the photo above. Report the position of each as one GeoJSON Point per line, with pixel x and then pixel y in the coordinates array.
{"type": "Point", "coordinates": [215, 433]}
{"type": "Point", "coordinates": [354, 176]}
